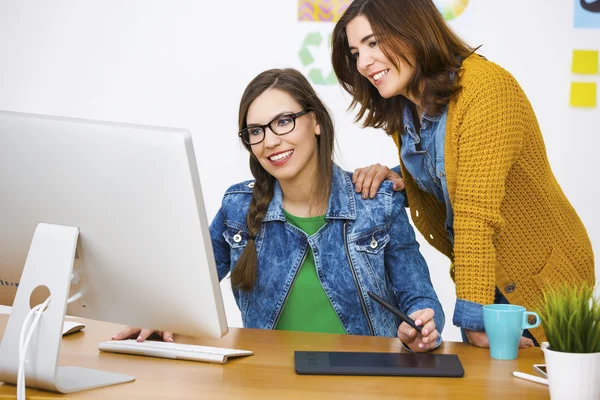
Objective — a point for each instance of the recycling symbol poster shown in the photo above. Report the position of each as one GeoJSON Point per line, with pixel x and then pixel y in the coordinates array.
{"type": "Point", "coordinates": [317, 17]}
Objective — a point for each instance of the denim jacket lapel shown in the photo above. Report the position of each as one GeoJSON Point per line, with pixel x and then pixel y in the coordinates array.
{"type": "Point", "coordinates": [341, 199]}
{"type": "Point", "coordinates": [275, 210]}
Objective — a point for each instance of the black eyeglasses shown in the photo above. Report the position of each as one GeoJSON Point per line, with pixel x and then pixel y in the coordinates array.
{"type": "Point", "coordinates": [281, 125]}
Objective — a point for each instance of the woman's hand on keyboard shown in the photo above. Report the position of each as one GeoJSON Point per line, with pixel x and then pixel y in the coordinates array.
{"type": "Point", "coordinates": [142, 334]}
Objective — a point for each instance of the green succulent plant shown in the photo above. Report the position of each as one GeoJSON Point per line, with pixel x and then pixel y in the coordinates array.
{"type": "Point", "coordinates": [571, 319]}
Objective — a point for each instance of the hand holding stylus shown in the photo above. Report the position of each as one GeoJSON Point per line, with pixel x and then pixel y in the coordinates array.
{"type": "Point", "coordinates": [417, 331]}
{"type": "Point", "coordinates": [419, 342]}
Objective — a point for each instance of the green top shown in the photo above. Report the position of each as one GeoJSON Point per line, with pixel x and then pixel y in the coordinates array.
{"type": "Point", "coordinates": [307, 307]}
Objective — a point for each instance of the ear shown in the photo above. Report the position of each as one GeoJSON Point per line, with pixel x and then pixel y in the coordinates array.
{"type": "Point", "coordinates": [317, 126]}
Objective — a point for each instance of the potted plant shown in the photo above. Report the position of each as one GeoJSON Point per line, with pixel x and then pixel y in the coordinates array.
{"type": "Point", "coordinates": [571, 320]}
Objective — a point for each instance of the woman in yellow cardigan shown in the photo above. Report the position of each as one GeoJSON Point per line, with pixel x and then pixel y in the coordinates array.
{"type": "Point", "coordinates": [479, 185]}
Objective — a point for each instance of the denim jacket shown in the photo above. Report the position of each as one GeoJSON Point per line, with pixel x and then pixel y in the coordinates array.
{"type": "Point", "coordinates": [427, 165]}
{"type": "Point", "coordinates": [365, 245]}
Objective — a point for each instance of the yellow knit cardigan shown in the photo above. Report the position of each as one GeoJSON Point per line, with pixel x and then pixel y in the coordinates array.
{"type": "Point", "coordinates": [514, 228]}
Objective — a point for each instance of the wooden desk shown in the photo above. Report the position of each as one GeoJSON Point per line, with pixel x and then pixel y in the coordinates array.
{"type": "Point", "coordinates": [269, 373]}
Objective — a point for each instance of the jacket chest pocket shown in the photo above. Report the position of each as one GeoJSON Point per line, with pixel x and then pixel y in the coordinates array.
{"type": "Point", "coordinates": [237, 239]}
{"type": "Point", "coordinates": [372, 243]}
{"type": "Point", "coordinates": [370, 248]}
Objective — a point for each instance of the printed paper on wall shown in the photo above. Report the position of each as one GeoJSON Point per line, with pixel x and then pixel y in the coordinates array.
{"type": "Point", "coordinates": [321, 10]}
{"type": "Point", "coordinates": [587, 14]}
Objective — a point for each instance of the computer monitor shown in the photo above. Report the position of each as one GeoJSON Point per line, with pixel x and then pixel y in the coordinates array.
{"type": "Point", "coordinates": [119, 203]}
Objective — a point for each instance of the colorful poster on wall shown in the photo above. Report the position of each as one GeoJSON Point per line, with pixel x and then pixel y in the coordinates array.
{"type": "Point", "coordinates": [321, 10]}
{"type": "Point", "coordinates": [587, 14]}
{"type": "Point", "coordinates": [451, 9]}
{"type": "Point", "coordinates": [314, 56]}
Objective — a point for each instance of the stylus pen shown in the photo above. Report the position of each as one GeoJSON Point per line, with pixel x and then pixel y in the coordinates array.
{"type": "Point", "coordinates": [531, 378]}
{"type": "Point", "coordinates": [395, 311]}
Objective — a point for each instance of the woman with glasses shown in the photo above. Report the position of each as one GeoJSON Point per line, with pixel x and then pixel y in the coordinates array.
{"type": "Point", "coordinates": [478, 181]}
{"type": "Point", "coordinates": [302, 247]}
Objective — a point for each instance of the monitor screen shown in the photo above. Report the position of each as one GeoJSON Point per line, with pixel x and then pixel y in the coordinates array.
{"type": "Point", "coordinates": [144, 255]}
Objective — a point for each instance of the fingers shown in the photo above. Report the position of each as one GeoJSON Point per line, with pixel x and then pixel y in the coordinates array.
{"type": "Point", "coordinates": [144, 334]}
{"type": "Point", "coordinates": [525, 343]}
{"type": "Point", "coordinates": [398, 182]}
{"type": "Point", "coordinates": [423, 316]}
{"type": "Point", "coordinates": [378, 177]}
{"type": "Point", "coordinates": [358, 178]}
{"type": "Point", "coordinates": [415, 341]}
{"type": "Point", "coordinates": [407, 333]}
{"type": "Point", "coordinates": [429, 334]}
{"type": "Point", "coordinates": [430, 341]}
{"type": "Point", "coordinates": [427, 343]}
{"type": "Point", "coordinates": [167, 337]}
{"type": "Point", "coordinates": [368, 179]}
{"type": "Point", "coordinates": [141, 334]}
{"type": "Point", "coordinates": [375, 174]}
{"type": "Point", "coordinates": [478, 339]}
{"type": "Point", "coordinates": [427, 339]}
{"type": "Point", "coordinates": [356, 174]}
{"type": "Point", "coordinates": [127, 333]}
{"type": "Point", "coordinates": [428, 328]}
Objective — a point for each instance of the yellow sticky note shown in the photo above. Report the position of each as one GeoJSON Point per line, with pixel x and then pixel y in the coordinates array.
{"type": "Point", "coordinates": [585, 62]}
{"type": "Point", "coordinates": [583, 94]}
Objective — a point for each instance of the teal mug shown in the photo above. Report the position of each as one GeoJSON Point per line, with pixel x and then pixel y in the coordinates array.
{"type": "Point", "coordinates": [504, 324]}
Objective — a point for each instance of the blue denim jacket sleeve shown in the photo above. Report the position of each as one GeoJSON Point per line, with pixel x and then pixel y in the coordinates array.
{"type": "Point", "coordinates": [220, 245]}
{"type": "Point", "coordinates": [468, 315]}
{"type": "Point", "coordinates": [407, 268]}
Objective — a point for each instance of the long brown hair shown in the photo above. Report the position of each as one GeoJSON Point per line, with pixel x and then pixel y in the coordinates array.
{"type": "Point", "coordinates": [295, 84]}
{"type": "Point", "coordinates": [401, 26]}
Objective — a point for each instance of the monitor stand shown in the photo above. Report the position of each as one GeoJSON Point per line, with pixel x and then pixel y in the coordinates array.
{"type": "Point", "coordinates": [49, 263]}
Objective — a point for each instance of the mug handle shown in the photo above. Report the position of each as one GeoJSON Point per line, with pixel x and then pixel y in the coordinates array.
{"type": "Point", "coordinates": [526, 324]}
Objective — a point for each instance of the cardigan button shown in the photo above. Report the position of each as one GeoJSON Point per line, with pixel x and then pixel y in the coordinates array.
{"type": "Point", "coordinates": [510, 288]}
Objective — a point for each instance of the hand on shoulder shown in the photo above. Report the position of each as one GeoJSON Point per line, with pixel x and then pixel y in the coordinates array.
{"type": "Point", "coordinates": [368, 179]}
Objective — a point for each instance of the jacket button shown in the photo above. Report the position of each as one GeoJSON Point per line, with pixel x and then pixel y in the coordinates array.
{"type": "Point", "coordinates": [251, 185]}
{"type": "Point", "coordinates": [510, 288]}
{"type": "Point", "coordinates": [237, 238]}
{"type": "Point", "coordinates": [373, 243]}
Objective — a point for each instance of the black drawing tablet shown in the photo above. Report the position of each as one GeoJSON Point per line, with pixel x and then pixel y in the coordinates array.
{"type": "Point", "coordinates": [395, 364]}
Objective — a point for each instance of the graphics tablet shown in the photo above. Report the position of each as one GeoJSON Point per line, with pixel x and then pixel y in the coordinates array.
{"type": "Point", "coordinates": [397, 364]}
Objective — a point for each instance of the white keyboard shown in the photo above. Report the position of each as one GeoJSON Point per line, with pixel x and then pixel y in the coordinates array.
{"type": "Point", "coordinates": [176, 351]}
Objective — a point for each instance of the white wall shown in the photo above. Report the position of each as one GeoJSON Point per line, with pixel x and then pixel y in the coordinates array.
{"type": "Point", "coordinates": [186, 63]}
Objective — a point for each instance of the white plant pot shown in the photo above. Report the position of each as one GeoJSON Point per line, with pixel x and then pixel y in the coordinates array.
{"type": "Point", "coordinates": [573, 375]}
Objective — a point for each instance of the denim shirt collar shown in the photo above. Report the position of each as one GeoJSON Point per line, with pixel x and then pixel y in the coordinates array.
{"type": "Point", "coordinates": [408, 122]}
{"type": "Point", "coordinates": [432, 118]}
{"type": "Point", "coordinates": [341, 203]}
